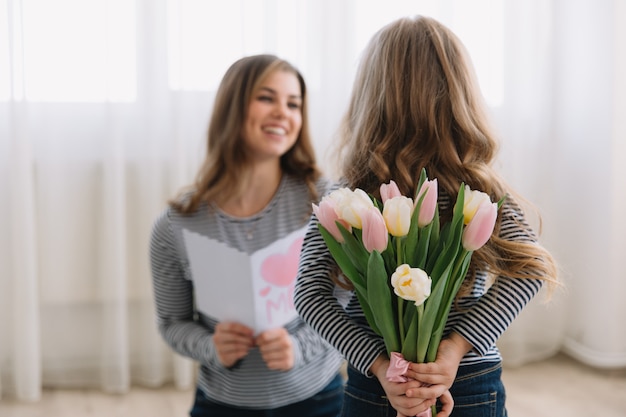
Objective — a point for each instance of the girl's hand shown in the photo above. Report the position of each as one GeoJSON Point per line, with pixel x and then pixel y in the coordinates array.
{"type": "Point", "coordinates": [276, 349]}
{"type": "Point", "coordinates": [232, 342]}
{"type": "Point", "coordinates": [439, 375]}
{"type": "Point", "coordinates": [447, 404]}
{"type": "Point", "coordinates": [396, 391]}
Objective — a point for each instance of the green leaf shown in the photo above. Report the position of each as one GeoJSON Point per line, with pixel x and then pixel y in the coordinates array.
{"type": "Point", "coordinates": [450, 239]}
{"type": "Point", "coordinates": [409, 345]}
{"type": "Point", "coordinates": [344, 262]}
{"type": "Point", "coordinates": [423, 178]}
{"type": "Point", "coordinates": [367, 311]}
{"type": "Point", "coordinates": [431, 313]}
{"type": "Point", "coordinates": [351, 272]}
{"type": "Point", "coordinates": [438, 247]}
{"type": "Point", "coordinates": [501, 201]}
{"type": "Point", "coordinates": [460, 202]}
{"type": "Point", "coordinates": [410, 312]}
{"type": "Point", "coordinates": [379, 298]}
{"type": "Point", "coordinates": [452, 288]}
{"type": "Point", "coordinates": [434, 234]}
{"type": "Point", "coordinates": [423, 246]}
{"type": "Point", "coordinates": [377, 203]}
{"type": "Point", "coordinates": [389, 256]}
{"type": "Point", "coordinates": [411, 241]}
{"type": "Point", "coordinates": [354, 249]}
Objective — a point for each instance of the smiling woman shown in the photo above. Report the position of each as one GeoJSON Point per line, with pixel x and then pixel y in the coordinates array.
{"type": "Point", "coordinates": [259, 170]}
{"type": "Point", "coordinates": [274, 117]}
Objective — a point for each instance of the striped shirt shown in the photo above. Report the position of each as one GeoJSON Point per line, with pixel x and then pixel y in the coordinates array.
{"type": "Point", "coordinates": [189, 332]}
{"type": "Point", "coordinates": [481, 317]}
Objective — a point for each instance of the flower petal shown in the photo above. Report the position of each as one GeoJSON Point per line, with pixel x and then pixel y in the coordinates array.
{"type": "Point", "coordinates": [480, 228]}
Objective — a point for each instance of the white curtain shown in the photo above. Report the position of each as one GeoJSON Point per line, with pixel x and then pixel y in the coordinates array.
{"type": "Point", "coordinates": [564, 147]}
{"type": "Point", "coordinates": [103, 110]}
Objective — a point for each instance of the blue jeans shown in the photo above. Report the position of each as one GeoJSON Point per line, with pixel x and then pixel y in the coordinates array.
{"type": "Point", "coordinates": [326, 403]}
{"type": "Point", "coordinates": [477, 392]}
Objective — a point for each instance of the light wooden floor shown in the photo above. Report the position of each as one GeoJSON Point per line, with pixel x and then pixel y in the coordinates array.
{"type": "Point", "coordinates": [562, 387]}
{"type": "Point", "coordinates": [558, 387]}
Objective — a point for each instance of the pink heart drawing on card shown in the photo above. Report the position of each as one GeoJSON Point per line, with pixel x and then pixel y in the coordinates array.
{"type": "Point", "coordinates": [281, 269]}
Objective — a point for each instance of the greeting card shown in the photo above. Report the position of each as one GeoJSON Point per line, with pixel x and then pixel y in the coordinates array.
{"type": "Point", "coordinates": [255, 290]}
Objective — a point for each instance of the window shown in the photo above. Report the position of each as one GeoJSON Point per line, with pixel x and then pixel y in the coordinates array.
{"type": "Point", "coordinates": [93, 50]}
{"type": "Point", "coordinates": [206, 37]}
{"type": "Point", "coordinates": [71, 50]}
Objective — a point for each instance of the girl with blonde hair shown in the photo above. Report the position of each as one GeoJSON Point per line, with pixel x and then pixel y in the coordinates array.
{"type": "Point", "coordinates": [416, 104]}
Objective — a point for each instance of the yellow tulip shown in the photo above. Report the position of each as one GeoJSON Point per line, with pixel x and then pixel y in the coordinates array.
{"type": "Point", "coordinates": [412, 284]}
{"type": "Point", "coordinates": [397, 214]}
{"type": "Point", "coordinates": [473, 200]}
{"type": "Point", "coordinates": [352, 205]}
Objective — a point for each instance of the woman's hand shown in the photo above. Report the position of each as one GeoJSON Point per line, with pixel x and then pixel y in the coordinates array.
{"type": "Point", "coordinates": [276, 349]}
{"type": "Point", "coordinates": [232, 342]}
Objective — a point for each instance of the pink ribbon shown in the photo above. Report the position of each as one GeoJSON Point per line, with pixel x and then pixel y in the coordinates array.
{"type": "Point", "coordinates": [398, 366]}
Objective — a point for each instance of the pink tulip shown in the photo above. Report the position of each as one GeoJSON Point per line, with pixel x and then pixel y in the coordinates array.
{"type": "Point", "coordinates": [328, 217]}
{"type": "Point", "coordinates": [429, 204]}
{"type": "Point", "coordinates": [388, 191]}
{"type": "Point", "coordinates": [375, 235]}
{"type": "Point", "coordinates": [480, 228]}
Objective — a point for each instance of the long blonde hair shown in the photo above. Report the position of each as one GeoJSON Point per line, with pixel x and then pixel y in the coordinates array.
{"type": "Point", "coordinates": [226, 159]}
{"type": "Point", "coordinates": [416, 104]}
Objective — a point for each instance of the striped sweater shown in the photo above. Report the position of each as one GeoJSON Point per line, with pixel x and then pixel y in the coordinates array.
{"type": "Point", "coordinates": [481, 317]}
{"type": "Point", "coordinates": [189, 331]}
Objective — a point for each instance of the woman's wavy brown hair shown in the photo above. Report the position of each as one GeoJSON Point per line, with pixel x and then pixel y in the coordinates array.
{"type": "Point", "coordinates": [226, 159]}
{"type": "Point", "coordinates": [416, 104]}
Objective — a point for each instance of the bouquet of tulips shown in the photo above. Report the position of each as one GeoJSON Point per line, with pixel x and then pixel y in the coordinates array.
{"type": "Point", "coordinates": [405, 267]}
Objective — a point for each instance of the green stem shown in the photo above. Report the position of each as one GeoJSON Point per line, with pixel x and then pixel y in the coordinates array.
{"type": "Point", "coordinates": [399, 257]}
{"type": "Point", "coordinates": [455, 272]}
{"type": "Point", "coordinates": [459, 262]}
{"type": "Point", "coordinates": [401, 319]}
{"type": "Point", "coordinates": [421, 356]}
{"type": "Point", "coordinates": [399, 260]}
